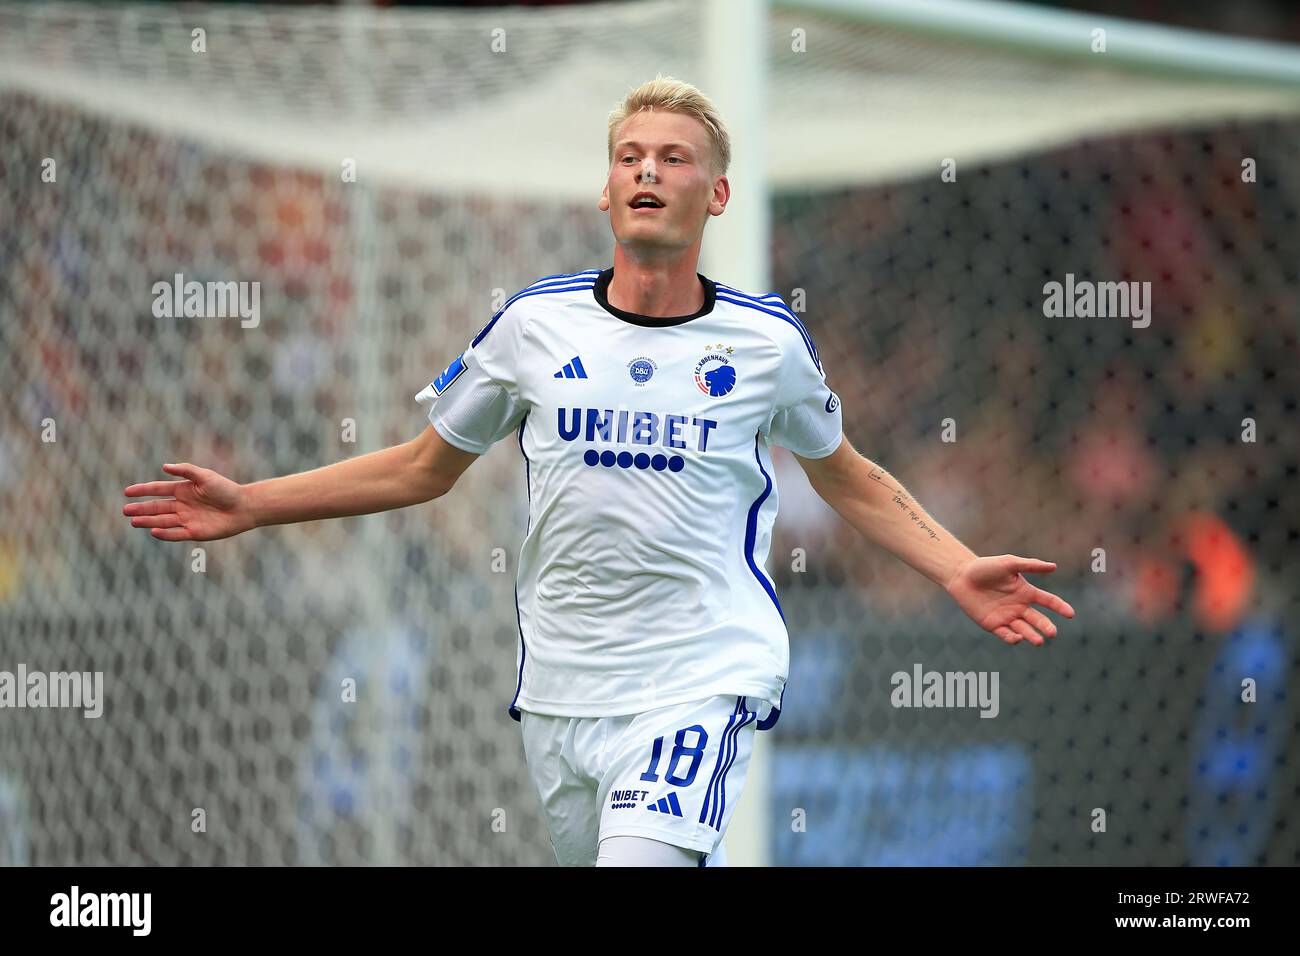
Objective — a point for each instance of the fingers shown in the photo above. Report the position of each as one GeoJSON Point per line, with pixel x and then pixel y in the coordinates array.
{"type": "Point", "coordinates": [1040, 621]}
{"type": "Point", "coordinates": [165, 507]}
{"type": "Point", "coordinates": [171, 534]}
{"type": "Point", "coordinates": [1053, 603]}
{"type": "Point", "coordinates": [1031, 565]}
{"type": "Point", "coordinates": [186, 470]}
{"type": "Point", "coordinates": [157, 521]}
{"type": "Point", "coordinates": [1022, 628]}
{"type": "Point", "coordinates": [1008, 635]}
{"type": "Point", "coordinates": [154, 489]}
{"type": "Point", "coordinates": [151, 489]}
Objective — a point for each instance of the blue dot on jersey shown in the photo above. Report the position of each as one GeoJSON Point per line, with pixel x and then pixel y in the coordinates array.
{"type": "Point", "coordinates": [676, 463]}
{"type": "Point", "coordinates": [642, 460]}
{"type": "Point", "coordinates": [659, 462]}
{"type": "Point", "coordinates": [625, 459]}
{"type": "Point", "coordinates": [720, 380]}
{"type": "Point", "coordinates": [607, 459]}
{"type": "Point", "coordinates": [591, 457]}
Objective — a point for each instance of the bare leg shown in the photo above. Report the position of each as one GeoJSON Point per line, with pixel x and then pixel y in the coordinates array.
{"type": "Point", "coordinates": [642, 851]}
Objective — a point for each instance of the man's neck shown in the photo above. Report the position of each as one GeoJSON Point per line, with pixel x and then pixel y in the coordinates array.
{"type": "Point", "coordinates": [658, 289]}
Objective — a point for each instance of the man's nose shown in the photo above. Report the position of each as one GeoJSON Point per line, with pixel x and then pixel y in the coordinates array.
{"type": "Point", "coordinates": [648, 171]}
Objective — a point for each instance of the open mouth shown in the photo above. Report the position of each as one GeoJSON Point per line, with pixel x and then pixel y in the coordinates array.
{"type": "Point", "coordinates": [646, 201]}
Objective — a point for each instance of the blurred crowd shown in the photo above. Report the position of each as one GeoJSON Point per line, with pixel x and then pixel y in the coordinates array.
{"type": "Point", "coordinates": [1069, 434]}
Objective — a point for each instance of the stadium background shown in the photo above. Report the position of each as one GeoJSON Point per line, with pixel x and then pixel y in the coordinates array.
{"type": "Point", "coordinates": [925, 301]}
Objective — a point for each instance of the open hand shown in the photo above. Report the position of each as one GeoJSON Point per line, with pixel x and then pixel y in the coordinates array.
{"type": "Point", "coordinates": [203, 506]}
{"type": "Point", "coordinates": [994, 593]}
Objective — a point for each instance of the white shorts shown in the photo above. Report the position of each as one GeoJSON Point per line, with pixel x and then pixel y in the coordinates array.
{"type": "Point", "coordinates": [671, 774]}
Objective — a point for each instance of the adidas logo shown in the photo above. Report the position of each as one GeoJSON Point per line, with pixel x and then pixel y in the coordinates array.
{"type": "Point", "coordinates": [572, 369]}
{"type": "Point", "coordinates": [666, 804]}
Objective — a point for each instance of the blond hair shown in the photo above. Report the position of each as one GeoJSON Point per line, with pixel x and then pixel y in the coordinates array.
{"type": "Point", "coordinates": [674, 96]}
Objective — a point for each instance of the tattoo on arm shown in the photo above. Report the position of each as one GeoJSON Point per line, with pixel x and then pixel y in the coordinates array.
{"type": "Point", "coordinates": [901, 499]}
{"type": "Point", "coordinates": [878, 474]}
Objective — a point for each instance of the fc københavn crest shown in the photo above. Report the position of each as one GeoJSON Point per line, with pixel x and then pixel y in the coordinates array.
{"type": "Point", "coordinates": [714, 374]}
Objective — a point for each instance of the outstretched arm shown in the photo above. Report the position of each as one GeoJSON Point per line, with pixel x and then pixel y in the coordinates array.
{"type": "Point", "coordinates": [205, 506]}
{"type": "Point", "coordinates": [991, 590]}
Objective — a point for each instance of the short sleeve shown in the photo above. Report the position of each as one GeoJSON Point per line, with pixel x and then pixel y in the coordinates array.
{"type": "Point", "coordinates": [475, 402]}
{"type": "Point", "coordinates": [806, 418]}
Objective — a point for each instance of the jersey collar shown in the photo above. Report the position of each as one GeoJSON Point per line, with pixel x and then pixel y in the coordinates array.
{"type": "Point", "coordinates": [601, 291]}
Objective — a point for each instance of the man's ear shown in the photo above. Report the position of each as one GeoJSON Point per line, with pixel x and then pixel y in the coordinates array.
{"type": "Point", "coordinates": [603, 203]}
{"type": "Point", "coordinates": [721, 196]}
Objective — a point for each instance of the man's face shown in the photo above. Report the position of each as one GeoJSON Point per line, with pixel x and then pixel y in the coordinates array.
{"type": "Point", "coordinates": [663, 157]}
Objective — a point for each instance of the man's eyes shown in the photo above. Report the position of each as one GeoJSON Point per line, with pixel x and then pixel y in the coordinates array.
{"type": "Point", "coordinates": [679, 159]}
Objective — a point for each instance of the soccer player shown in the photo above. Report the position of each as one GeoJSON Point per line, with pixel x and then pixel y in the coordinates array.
{"type": "Point", "coordinates": [643, 398]}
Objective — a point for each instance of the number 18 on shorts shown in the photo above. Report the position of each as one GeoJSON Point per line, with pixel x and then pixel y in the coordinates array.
{"type": "Point", "coordinates": [671, 774]}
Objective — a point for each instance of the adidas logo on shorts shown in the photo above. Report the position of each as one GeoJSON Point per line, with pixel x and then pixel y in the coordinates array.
{"type": "Point", "coordinates": [666, 804]}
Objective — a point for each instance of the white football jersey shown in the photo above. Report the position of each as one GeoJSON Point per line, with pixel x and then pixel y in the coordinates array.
{"type": "Point", "coordinates": [651, 496]}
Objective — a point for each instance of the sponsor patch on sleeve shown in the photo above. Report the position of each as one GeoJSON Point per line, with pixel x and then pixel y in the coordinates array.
{"type": "Point", "coordinates": [449, 374]}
